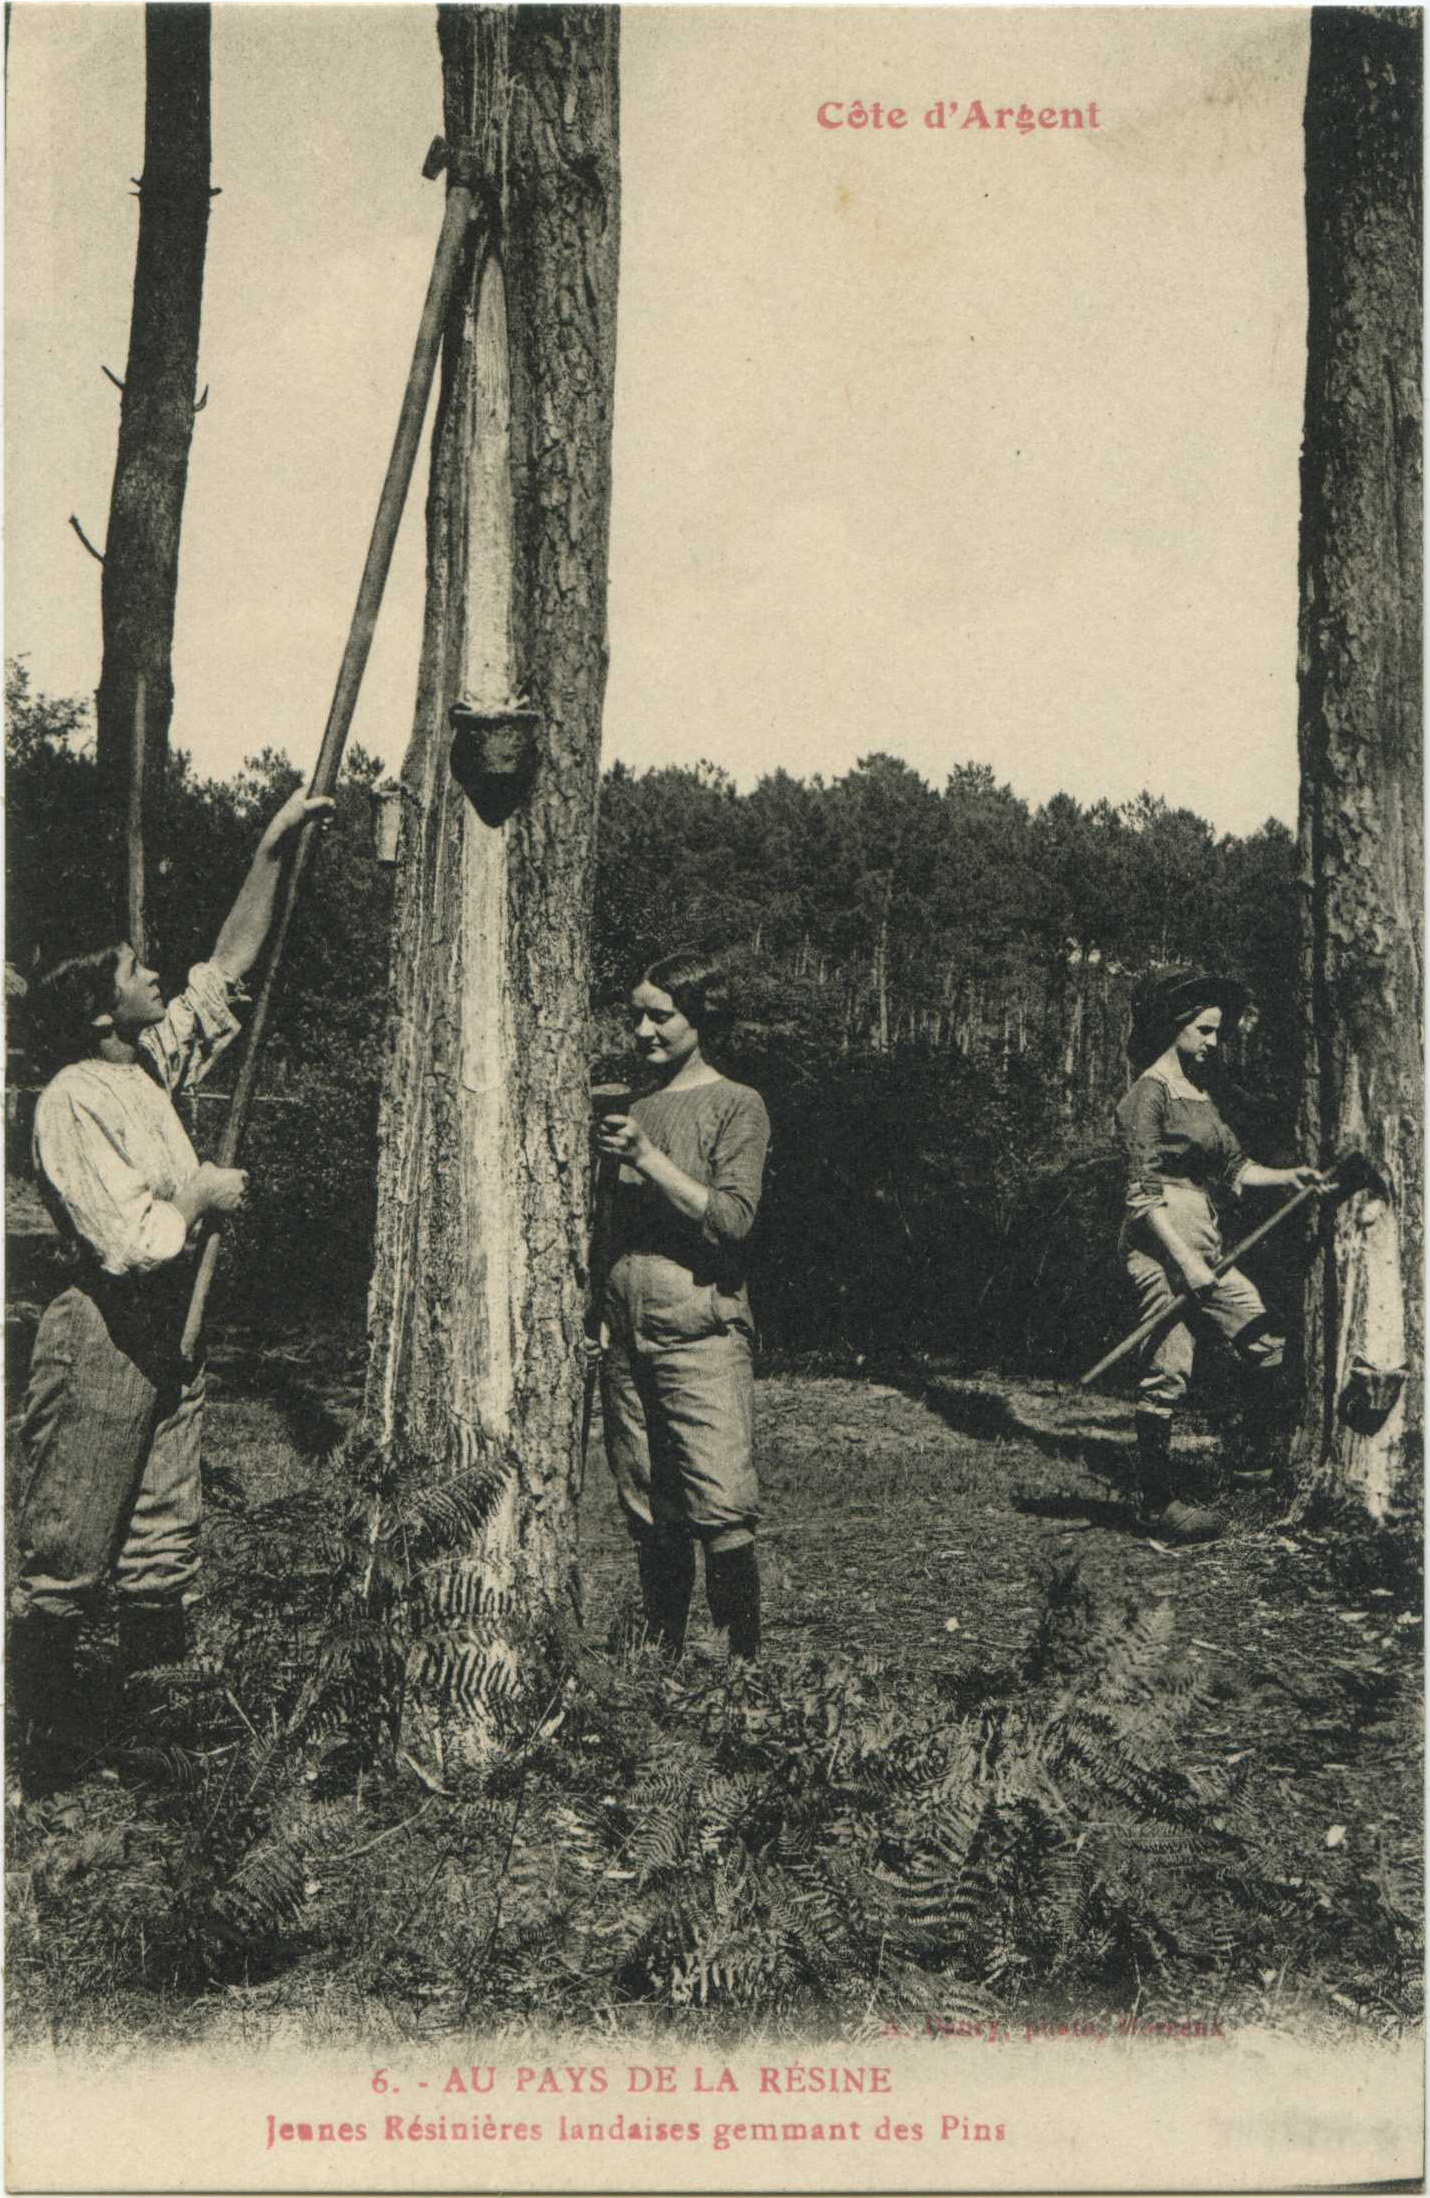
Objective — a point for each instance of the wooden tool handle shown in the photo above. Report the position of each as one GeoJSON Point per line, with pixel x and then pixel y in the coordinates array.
{"type": "Point", "coordinates": [1188, 1298]}
{"type": "Point", "coordinates": [451, 246]}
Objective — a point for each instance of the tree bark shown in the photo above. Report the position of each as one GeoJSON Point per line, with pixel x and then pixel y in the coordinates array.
{"type": "Point", "coordinates": [1361, 819]}
{"type": "Point", "coordinates": [881, 968]}
{"type": "Point", "coordinates": [135, 701]}
{"type": "Point", "coordinates": [478, 1289]}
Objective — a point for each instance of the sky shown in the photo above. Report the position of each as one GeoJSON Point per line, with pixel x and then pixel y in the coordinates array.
{"type": "Point", "coordinates": [963, 444]}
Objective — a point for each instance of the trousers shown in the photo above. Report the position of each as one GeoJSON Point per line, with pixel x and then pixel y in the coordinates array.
{"type": "Point", "coordinates": [678, 1408]}
{"type": "Point", "coordinates": [1234, 1309]}
{"type": "Point", "coordinates": [110, 1440]}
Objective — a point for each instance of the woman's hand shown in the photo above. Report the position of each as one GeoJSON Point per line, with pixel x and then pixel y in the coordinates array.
{"type": "Point", "coordinates": [1198, 1276]}
{"type": "Point", "coordinates": [620, 1137]}
{"type": "Point", "coordinates": [246, 925]}
{"type": "Point", "coordinates": [1302, 1177]}
{"type": "Point", "coordinates": [210, 1189]}
{"type": "Point", "coordinates": [294, 814]}
{"type": "Point", "coordinates": [223, 1189]}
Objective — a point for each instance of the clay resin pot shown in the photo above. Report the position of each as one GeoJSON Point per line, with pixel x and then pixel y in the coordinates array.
{"type": "Point", "coordinates": [494, 757]}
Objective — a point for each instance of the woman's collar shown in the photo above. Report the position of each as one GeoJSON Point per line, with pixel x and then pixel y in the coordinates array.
{"type": "Point", "coordinates": [1180, 1087]}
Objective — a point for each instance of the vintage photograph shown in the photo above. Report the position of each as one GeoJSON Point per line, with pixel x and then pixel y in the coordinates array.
{"type": "Point", "coordinates": [714, 1110]}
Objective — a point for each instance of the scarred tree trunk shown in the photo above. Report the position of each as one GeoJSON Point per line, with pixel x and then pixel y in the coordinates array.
{"type": "Point", "coordinates": [1361, 829]}
{"type": "Point", "coordinates": [477, 1295]}
{"type": "Point", "coordinates": [135, 701]}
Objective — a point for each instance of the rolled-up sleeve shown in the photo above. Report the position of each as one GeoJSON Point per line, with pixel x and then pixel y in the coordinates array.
{"type": "Point", "coordinates": [1234, 1162]}
{"type": "Point", "coordinates": [197, 1025]}
{"type": "Point", "coordinates": [1141, 1120]}
{"type": "Point", "coordinates": [106, 1199]}
{"type": "Point", "coordinates": [737, 1171]}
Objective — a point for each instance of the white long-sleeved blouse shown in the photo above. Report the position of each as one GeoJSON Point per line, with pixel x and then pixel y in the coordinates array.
{"type": "Point", "coordinates": [109, 1148]}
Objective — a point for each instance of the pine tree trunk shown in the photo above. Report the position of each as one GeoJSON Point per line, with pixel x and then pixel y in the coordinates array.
{"type": "Point", "coordinates": [881, 969]}
{"type": "Point", "coordinates": [1361, 829]}
{"type": "Point", "coordinates": [478, 1289]}
{"type": "Point", "coordinates": [135, 701]}
{"type": "Point", "coordinates": [1071, 1003]}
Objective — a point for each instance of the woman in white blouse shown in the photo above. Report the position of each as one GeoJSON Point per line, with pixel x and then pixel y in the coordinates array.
{"type": "Point", "coordinates": [113, 1415]}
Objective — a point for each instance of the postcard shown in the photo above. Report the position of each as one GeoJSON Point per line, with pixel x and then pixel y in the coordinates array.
{"type": "Point", "coordinates": [714, 1120]}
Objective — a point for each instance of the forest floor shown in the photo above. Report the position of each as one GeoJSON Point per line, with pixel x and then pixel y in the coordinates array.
{"type": "Point", "coordinates": [925, 1540]}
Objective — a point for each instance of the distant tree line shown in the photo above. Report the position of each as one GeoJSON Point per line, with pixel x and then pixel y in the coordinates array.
{"type": "Point", "coordinates": [935, 991]}
{"type": "Point", "coordinates": [937, 985]}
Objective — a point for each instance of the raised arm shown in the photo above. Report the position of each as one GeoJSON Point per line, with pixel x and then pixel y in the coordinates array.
{"type": "Point", "coordinates": [246, 926]}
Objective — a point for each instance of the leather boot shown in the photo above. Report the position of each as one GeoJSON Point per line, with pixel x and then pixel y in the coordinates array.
{"type": "Point", "coordinates": [1254, 1451]}
{"type": "Point", "coordinates": [732, 1588]}
{"type": "Point", "coordinates": [53, 1731]}
{"type": "Point", "coordinates": [1154, 1462]}
{"type": "Point", "coordinates": [151, 1634]}
{"type": "Point", "coordinates": [1164, 1513]}
{"type": "Point", "coordinates": [667, 1570]}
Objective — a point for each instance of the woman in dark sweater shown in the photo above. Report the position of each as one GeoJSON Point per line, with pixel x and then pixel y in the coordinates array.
{"type": "Point", "coordinates": [677, 1375]}
{"type": "Point", "coordinates": [1178, 1149]}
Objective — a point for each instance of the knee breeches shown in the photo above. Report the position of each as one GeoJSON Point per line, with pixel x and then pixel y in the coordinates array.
{"type": "Point", "coordinates": [111, 1443]}
{"type": "Point", "coordinates": [1234, 1309]}
{"type": "Point", "coordinates": [679, 1423]}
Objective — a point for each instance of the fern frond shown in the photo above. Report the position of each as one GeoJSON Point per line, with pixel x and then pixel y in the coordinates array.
{"type": "Point", "coordinates": [661, 1843]}
{"type": "Point", "coordinates": [449, 1514]}
{"type": "Point", "coordinates": [459, 1592]}
{"type": "Point", "coordinates": [471, 1677]}
{"type": "Point", "coordinates": [264, 1896]}
{"type": "Point", "coordinates": [160, 1766]}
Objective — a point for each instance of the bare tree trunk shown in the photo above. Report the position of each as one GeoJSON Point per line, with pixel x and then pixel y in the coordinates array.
{"type": "Point", "coordinates": [156, 423]}
{"type": "Point", "coordinates": [1071, 1004]}
{"type": "Point", "coordinates": [881, 969]}
{"type": "Point", "coordinates": [1361, 829]}
{"type": "Point", "coordinates": [477, 1295]}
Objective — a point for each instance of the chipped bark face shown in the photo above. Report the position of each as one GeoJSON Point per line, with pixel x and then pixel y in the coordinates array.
{"type": "Point", "coordinates": [478, 1291]}
{"type": "Point", "coordinates": [1361, 742]}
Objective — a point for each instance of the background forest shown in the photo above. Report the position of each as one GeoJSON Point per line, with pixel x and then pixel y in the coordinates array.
{"type": "Point", "coordinates": [1006, 1755]}
{"type": "Point", "coordinates": [935, 984]}
{"type": "Point", "coordinates": [1004, 1758]}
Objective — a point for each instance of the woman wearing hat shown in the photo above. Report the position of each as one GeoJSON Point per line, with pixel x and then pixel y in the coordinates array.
{"type": "Point", "coordinates": [1178, 1150]}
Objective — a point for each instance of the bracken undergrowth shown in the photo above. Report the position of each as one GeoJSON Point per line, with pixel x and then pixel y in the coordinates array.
{"type": "Point", "coordinates": [391, 1791]}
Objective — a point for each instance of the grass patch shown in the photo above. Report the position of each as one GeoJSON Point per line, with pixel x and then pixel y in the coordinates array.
{"type": "Point", "coordinates": [998, 1762]}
